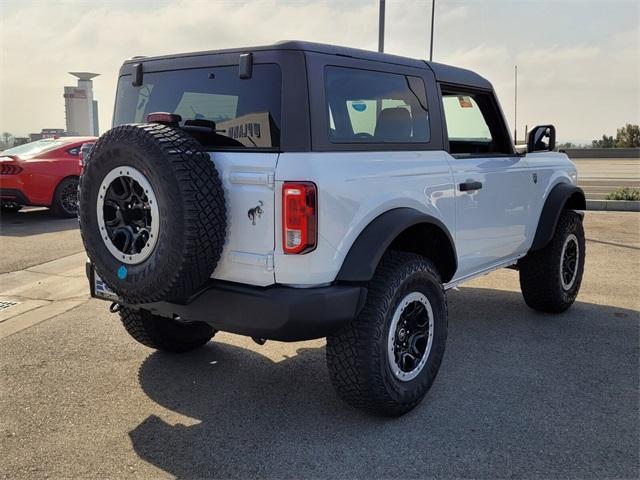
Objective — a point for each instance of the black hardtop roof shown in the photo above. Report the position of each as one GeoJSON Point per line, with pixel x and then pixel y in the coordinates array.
{"type": "Point", "coordinates": [443, 73]}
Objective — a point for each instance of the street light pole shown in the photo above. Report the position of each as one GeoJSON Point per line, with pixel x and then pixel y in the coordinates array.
{"type": "Point", "coordinates": [381, 27]}
{"type": "Point", "coordinates": [515, 109]}
{"type": "Point", "coordinates": [433, 15]}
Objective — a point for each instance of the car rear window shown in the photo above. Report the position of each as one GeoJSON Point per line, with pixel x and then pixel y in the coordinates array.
{"type": "Point", "coordinates": [35, 148]}
{"type": "Point", "coordinates": [246, 112]}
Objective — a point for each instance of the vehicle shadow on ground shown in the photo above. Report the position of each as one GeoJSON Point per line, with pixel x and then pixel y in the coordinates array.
{"type": "Point", "coordinates": [34, 222]}
{"type": "Point", "coordinates": [519, 394]}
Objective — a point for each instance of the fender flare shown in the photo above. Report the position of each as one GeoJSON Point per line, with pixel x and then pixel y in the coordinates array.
{"type": "Point", "coordinates": [364, 255]}
{"type": "Point", "coordinates": [563, 195]}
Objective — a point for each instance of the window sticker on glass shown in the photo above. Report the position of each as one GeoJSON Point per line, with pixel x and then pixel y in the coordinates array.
{"type": "Point", "coordinates": [252, 129]}
{"type": "Point", "coordinates": [359, 106]}
{"type": "Point", "coordinates": [465, 102]}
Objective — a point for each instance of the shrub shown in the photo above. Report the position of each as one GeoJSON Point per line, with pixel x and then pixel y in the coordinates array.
{"type": "Point", "coordinates": [624, 193]}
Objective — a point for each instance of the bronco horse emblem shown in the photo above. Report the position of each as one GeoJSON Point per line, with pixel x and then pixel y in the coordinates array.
{"type": "Point", "coordinates": [255, 212]}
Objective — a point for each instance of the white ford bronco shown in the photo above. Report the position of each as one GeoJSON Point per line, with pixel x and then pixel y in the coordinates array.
{"type": "Point", "coordinates": [299, 191]}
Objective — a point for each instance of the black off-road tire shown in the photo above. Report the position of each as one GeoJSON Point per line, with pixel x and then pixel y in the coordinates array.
{"type": "Point", "coordinates": [192, 212]}
{"type": "Point", "coordinates": [357, 358]}
{"type": "Point", "coordinates": [163, 333]}
{"type": "Point", "coordinates": [540, 271]}
{"type": "Point", "coordinates": [60, 206]}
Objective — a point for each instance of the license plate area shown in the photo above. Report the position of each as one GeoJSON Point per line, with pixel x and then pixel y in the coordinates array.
{"type": "Point", "coordinates": [100, 289]}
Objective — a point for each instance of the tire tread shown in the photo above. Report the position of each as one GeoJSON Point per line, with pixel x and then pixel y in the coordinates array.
{"type": "Point", "coordinates": [539, 270]}
{"type": "Point", "coordinates": [163, 333]}
{"type": "Point", "coordinates": [352, 359]}
{"type": "Point", "coordinates": [202, 204]}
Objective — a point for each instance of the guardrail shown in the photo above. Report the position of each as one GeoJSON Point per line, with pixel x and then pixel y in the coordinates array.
{"type": "Point", "coordinates": [602, 152]}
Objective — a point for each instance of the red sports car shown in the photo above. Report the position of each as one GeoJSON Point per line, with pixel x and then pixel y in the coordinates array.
{"type": "Point", "coordinates": [42, 173]}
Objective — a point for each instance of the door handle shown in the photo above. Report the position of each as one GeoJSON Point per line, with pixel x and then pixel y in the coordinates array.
{"type": "Point", "coordinates": [470, 186]}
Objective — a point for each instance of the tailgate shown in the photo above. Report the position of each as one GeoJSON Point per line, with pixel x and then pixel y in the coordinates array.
{"type": "Point", "coordinates": [248, 181]}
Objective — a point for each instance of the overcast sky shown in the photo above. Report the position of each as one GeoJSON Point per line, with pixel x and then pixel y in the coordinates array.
{"type": "Point", "coordinates": [578, 61]}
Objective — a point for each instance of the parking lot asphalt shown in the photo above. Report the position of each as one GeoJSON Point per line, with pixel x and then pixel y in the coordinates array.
{"type": "Point", "coordinates": [519, 394]}
{"type": "Point", "coordinates": [33, 236]}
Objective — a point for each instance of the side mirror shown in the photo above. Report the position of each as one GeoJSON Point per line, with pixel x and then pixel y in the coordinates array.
{"type": "Point", "coordinates": [542, 138]}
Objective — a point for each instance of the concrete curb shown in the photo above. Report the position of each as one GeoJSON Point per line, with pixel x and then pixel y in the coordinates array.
{"type": "Point", "coordinates": [614, 205]}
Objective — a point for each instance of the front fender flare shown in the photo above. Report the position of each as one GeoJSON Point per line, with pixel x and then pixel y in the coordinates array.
{"type": "Point", "coordinates": [563, 195]}
{"type": "Point", "coordinates": [362, 260]}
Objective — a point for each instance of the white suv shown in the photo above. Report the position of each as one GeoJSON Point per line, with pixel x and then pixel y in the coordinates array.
{"type": "Point", "coordinates": [300, 191]}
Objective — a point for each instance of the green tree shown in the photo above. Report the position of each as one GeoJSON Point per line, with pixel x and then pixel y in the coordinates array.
{"type": "Point", "coordinates": [628, 136]}
{"type": "Point", "coordinates": [6, 136]}
{"type": "Point", "coordinates": [606, 142]}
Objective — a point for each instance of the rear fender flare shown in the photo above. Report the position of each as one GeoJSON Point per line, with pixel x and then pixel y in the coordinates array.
{"type": "Point", "coordinates": [364, 255]}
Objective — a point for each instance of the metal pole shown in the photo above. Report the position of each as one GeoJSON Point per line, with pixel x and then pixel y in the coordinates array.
{"type": "Point", "coordinates": [381, 28]}
{"type": "Point", "coordinates": [515, 110]}
{"type": "Point", "coordinates": [433, 15]}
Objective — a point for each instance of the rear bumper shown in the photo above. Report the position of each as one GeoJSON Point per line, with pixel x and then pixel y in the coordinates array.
{"type": "Point", "coordinates": [14, 195]}
{"type": "Point", "coordinates": [276, 313]}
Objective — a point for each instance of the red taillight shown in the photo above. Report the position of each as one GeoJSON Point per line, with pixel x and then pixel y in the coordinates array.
{"type": "Point", "coordinates": [9, 169]}
{"type": "Point", "coordinates": [299, 217]}
{"type": "Point", "coordinates": [164, 117]}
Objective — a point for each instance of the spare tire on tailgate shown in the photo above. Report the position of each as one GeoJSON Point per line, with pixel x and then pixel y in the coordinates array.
{"type": "Point", "coordinates": [152, 212]}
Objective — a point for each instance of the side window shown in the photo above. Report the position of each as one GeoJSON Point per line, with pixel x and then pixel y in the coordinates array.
{"type": "Point", "coordinates": [474, 124]}
{"type": "Point", "coordinates": [375, 107]}
{"type": "Point", "coordinates": [464, 119]}
{"type": "Point", "coordinates": [74, 151]}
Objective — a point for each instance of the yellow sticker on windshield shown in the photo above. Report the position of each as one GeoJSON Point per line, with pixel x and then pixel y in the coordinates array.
{"type": "Point", "coordinates": [465, 102]}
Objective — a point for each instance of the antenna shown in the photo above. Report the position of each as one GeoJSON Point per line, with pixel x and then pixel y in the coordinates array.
{"type": "Point", "coordinates": [515, 110]}
{"type": "Point", "coordinates": [433, 16]}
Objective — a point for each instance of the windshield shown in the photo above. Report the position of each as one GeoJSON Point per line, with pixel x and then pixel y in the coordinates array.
{"type": "Point", "coordinates": [35, 148]}
{"type": "Point", "coordinates": [240, 113]}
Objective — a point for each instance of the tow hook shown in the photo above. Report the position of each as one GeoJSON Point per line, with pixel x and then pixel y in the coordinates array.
{"type": "Point", "coordinates": [115, 307]}
{"type": "Point", "coordinates": [259, 341]}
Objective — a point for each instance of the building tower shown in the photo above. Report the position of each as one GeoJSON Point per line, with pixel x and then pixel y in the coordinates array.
{"type": "Point", "coordinates": [80, 109]}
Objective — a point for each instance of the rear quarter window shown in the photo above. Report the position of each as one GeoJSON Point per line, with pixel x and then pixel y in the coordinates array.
{"type": "Point", "coordinates": [375, 107]}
